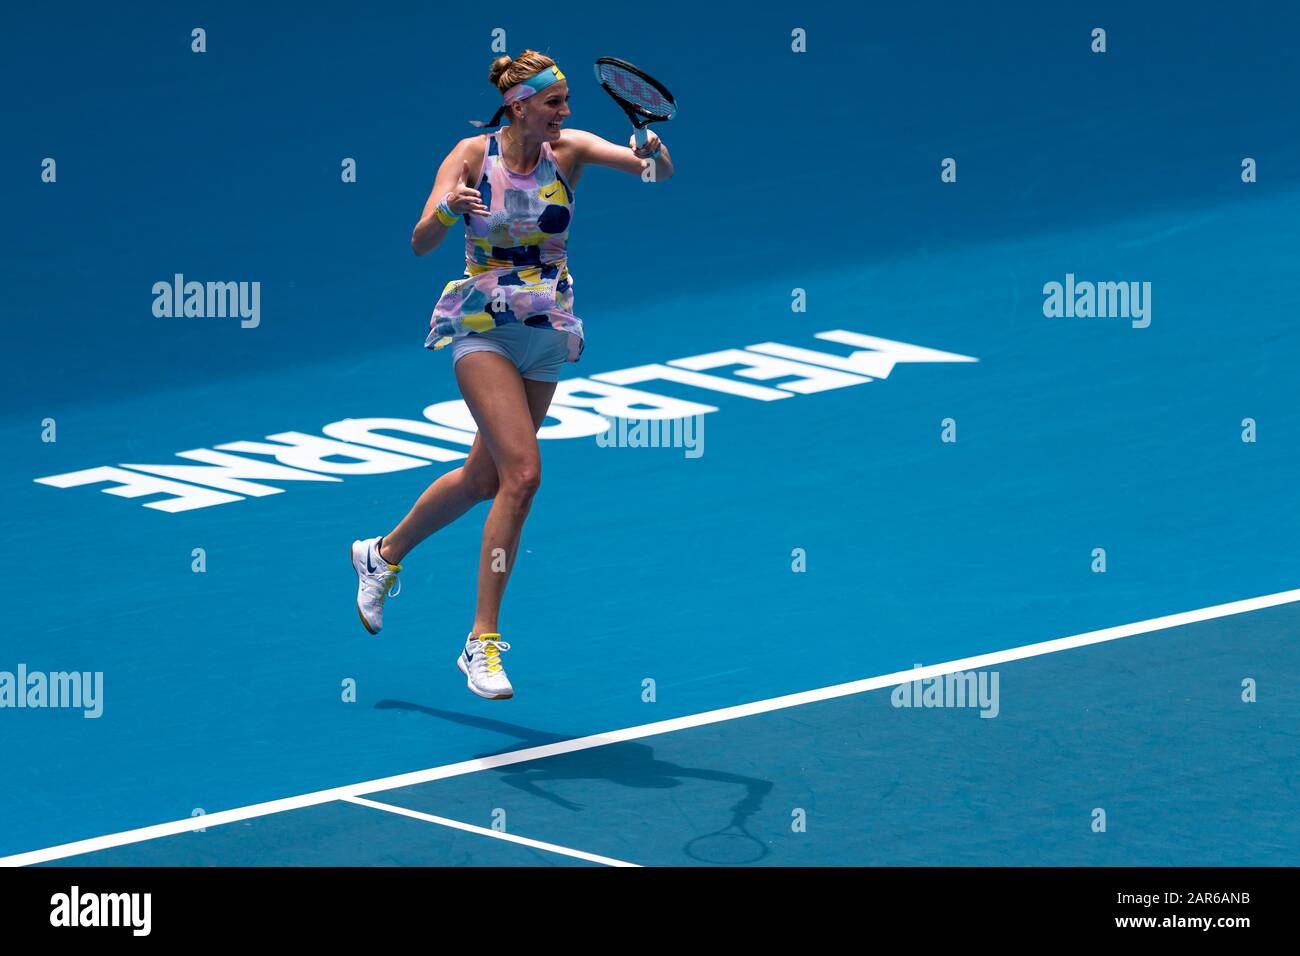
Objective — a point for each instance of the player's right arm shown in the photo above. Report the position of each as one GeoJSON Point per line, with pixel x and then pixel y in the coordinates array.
{"type": "Point", "coordinates": [453, 177]}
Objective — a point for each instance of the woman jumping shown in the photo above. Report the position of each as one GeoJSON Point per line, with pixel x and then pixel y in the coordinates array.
{"type": "Point", "coordinates": [511, 327]}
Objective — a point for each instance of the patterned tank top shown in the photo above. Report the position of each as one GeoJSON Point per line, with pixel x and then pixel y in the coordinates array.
{"type": "Point", "coordinates": [516, 267]}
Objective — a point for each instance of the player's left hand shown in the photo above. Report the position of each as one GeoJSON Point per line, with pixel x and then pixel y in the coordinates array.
{"type": "Point", "coordinates": [651, 144]}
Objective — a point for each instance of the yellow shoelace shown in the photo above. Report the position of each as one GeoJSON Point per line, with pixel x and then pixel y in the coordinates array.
{"type": "Point", "coordinates": [394, 588]}
{"type": "Point", "coordinates": [492, 649]}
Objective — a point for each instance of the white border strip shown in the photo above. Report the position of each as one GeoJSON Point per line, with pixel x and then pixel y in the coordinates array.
{"type": "Point", "coordinates": [645, 730]}
{"type": "Point", "coordinates": [484, 831]}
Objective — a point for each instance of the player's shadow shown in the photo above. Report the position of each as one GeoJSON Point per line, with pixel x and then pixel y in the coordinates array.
{"type": "Point", "coordinates": [525, 735]}
{"type": "Point", "coordinates": [627, 764]}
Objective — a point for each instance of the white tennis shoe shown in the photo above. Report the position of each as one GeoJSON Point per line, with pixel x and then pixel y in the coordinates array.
{"type": "Point", "coordinates": [376, 582]}
{"type": "Point", "coordinates": [480, 662]}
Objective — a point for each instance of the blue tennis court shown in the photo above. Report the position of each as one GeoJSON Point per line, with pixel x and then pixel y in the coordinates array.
{"type": "Point", "coordinates": [1080, 528]}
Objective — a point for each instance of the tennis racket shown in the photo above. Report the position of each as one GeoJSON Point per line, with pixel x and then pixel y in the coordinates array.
{"type": "Point", "coordinates": [643, 98]}
{"type": "Point", "coordinates": [733, 845]}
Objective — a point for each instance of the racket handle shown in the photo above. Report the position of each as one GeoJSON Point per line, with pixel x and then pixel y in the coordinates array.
{"type": "Point", "coordinates": [641, 136]}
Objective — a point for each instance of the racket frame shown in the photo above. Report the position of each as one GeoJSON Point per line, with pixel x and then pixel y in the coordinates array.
{"type": "Point", "coordinates": [640, 117]}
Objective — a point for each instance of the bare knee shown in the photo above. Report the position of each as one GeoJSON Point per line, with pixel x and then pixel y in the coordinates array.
{"type": "Point", "coordinates": [520, 481]}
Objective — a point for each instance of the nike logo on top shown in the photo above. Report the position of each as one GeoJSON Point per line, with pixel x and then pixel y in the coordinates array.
{"type": "Point", "coordinates": [551, 193]}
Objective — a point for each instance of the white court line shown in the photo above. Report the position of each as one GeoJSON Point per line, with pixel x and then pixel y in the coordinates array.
{"type": "Point", "coordinates": [483, 831]}
{"type": "Point", "coordinates": [645, 730]}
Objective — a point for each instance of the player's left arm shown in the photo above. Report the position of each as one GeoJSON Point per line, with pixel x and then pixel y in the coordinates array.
{"type": "Point", "coordinates": [592, 150]}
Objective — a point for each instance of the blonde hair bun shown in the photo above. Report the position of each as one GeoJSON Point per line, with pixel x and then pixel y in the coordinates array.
{"type": "Point", "coordinates": [506, 72]}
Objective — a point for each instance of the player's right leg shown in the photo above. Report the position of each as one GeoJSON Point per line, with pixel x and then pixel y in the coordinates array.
{"type": "Point", "coordinates": [377, 561]}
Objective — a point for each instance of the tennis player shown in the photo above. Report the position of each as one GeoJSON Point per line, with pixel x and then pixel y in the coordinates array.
{"type": "Point", "coordinates": [510, 324]}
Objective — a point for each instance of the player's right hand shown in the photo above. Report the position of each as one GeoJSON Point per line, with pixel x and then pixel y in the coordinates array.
{"type": "Point", "coordinates": [462, 199]}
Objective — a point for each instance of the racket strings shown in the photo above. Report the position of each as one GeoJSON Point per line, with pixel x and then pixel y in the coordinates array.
{"type": "Point", "coordinates": [635, 91]}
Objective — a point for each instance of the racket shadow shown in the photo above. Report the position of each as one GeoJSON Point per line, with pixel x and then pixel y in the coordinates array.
{"type": "Point", "coordinates": [629, 764]}
{"type": "Point", "coordinates": [635, 765]}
